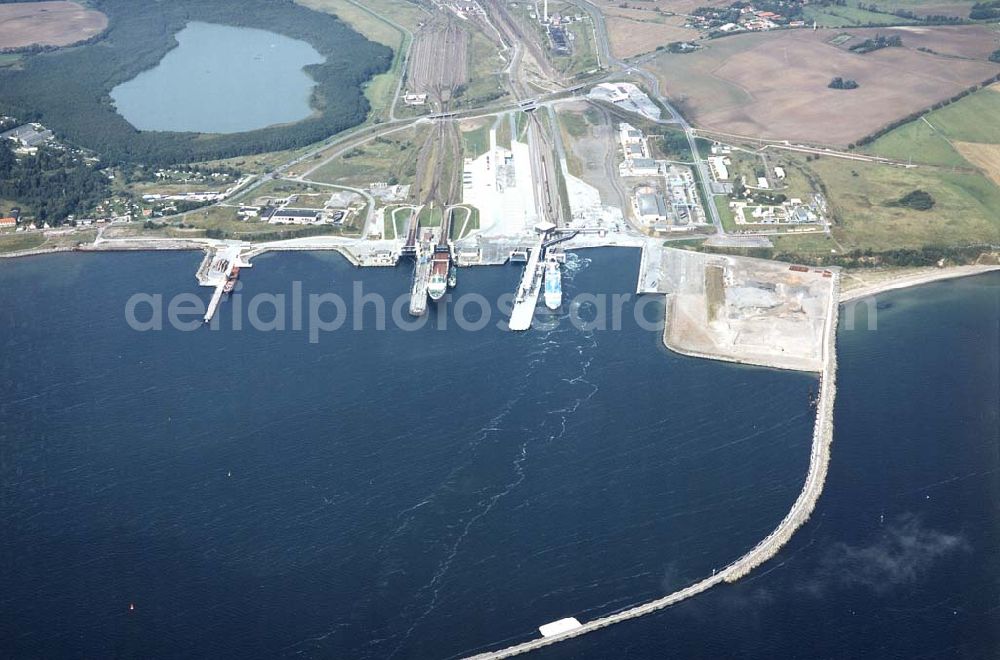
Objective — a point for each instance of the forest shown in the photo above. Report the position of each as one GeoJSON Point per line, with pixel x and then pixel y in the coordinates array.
{"type": "Point", "coordinates": [68, 90]}
{"type": "Point", "coordinates": [52, 184]}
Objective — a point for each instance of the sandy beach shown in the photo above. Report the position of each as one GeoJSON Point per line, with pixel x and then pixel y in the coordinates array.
{"type": "Point", "coordinates": [913, 278]}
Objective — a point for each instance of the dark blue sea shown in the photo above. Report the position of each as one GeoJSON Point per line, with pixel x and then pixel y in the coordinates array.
{"type": "Point", "coordinates": [430, 492]}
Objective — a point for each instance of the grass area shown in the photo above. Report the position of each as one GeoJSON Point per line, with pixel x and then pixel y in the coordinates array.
{"type": "Point", "coordinates": [969, 120]}
{"type": "Point", "coordinates": [572, 125]}
{"type": "Point", "coordinates": [485, 82]}
{"type": "Point", "coordinates": [964, 211]}
{"type": "Point", "coordinates": [257, 163]}
{"type": "Point", "coordinates": [391, 158]}
{"type": "Point", "coordinates": [520, 125]}
{"type": "Point", "coordinates": [503, 132]}
{"type": "Point", "coordinates": [851, 15]}
{"type": "Point", "coordinates": [472, 224]}
{"type": "Point", "coordinates": [917, 142]}
{"type": "Point", "coordinates": [15, 242]}
{"type": "Point", "coordinates": [818, 244]}
{"type": "Point", "coordinates": [583, 55]}
{"type": "Point", "coordinates": [726, 213]}
{"type": "Point", "coordinates": [476, 141]}
{"type": "Point", "coordinates": [312, 196]}
{"type": "Point", "coordinates": [223, 221]}
{"type": "Point", "coordinates": [430, 217]}
{"type": "Point", "coordinates": [575, 123]}
{"type": "Point", "coordinates": [400, 218]}
{"type": "Point", "coordinates": [928, 139]}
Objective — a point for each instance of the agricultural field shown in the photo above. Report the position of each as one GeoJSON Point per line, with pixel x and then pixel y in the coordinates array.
{"type": "Point", "coordinates": [957, 135]}
{"type": "Point", "coordinates": [774, 85]}
{"type": "Point", "coordinates": [640, 28]}
{"type": "Point", "coordinates": [25, 24]}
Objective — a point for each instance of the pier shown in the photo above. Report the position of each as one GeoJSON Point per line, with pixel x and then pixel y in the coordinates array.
{"type": "Point", "coordinates": [220, 269]}
{"type": "Point", "coordinates": [767, 548]}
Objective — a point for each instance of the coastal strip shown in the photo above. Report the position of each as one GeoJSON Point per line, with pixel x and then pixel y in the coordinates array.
{"type": "Point", "coordinates": [916, 279]}
{"type": "Point", "coordinates": [800, 512]}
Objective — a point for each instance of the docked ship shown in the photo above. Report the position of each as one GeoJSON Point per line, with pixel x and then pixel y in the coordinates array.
{"type": "Point", "coordinates": [553, 284]}
{"type": "Point", "coordinates": [452, 276]}
{"type": "Point", "coordinates": [438, 282]}
{"type": "Point", "coordinates": [231, 282]}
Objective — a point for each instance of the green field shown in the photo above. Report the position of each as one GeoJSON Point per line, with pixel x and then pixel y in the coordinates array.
{"type": "Point", "coordinates": [430, 217]}
{"type": "Point", "coordinates": [11, 242]}
{"type": "Point", "coordinates": [928, 139]}
{"type": "Point", "coordinates": [834, 16]}
{"type": "Point", "coordinates": [485, 82]}
{"type": "Point", "coordinates": [392, 158]}
{"type": "Point", "coordinates": [965, 209]}
{"type": "Point", "coordinates": [476, 141]}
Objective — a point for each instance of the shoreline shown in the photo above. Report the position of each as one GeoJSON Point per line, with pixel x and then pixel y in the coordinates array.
{"type": "Point", "coordinates": [912, 279]}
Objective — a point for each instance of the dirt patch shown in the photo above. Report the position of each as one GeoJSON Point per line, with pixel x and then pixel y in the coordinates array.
{"type": "Point", "coordinates": [439, 60]}
{"type": "Point", "coordinates": [984, 156]}
{"type": "Point", "coordinates": [774, 85]}
{"type": "Point", "coordinates": [47, 24]}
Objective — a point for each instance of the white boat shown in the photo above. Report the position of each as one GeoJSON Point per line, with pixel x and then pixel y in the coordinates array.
{"type": "Point", "coordinates": [553, 284]}
{"type": "Point", "coordinates": [438, 283]}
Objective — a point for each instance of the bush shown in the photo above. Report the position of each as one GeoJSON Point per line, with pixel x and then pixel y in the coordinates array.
{"type": "Point", "coordinates": [917, 200]}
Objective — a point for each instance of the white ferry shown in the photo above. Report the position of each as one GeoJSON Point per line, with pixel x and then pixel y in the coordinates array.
{"type": "Point", "coordinates": [553, 284]}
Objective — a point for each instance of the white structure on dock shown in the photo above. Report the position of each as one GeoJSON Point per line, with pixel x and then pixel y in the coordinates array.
{"type": "Point", "coordinates": [531, 282]}
{"type": "Point", "coordinates": [216, 271]}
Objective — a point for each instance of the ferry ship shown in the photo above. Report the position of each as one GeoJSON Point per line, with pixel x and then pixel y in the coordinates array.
{"type": "Point", "coordinates": [553, 284]}
{"type": "Point", "coordinates": [438, 283]}
{"type": "Point", "coordinates": [231, 282]}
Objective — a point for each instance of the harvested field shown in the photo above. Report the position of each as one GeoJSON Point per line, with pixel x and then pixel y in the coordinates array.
{"type": "Point", "coordinates": [630, 37]}
{"type": "Point", "coordinates": [640, 28]}
{"type": "Point", "coordinates": [774, 85]}
{"type": "Point", "coordinates": [48, 24]}
{"type": "Point", "coordinates": [968, 41]}
{"type": "Point", "coordinates": [439, 60]}
{"type": "Point", "coordinates": [984, 156]}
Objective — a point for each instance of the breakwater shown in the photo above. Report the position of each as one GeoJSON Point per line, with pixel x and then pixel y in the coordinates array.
{"type": "Point", "coordinates": [819, 460]}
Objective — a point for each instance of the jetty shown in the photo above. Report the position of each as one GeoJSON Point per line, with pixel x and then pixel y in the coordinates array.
{"type": "Point", "coordinates": [219, 269]}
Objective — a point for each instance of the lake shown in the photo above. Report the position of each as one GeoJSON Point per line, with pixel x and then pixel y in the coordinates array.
{"type": "Point", "coordinates": [221, 79]}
